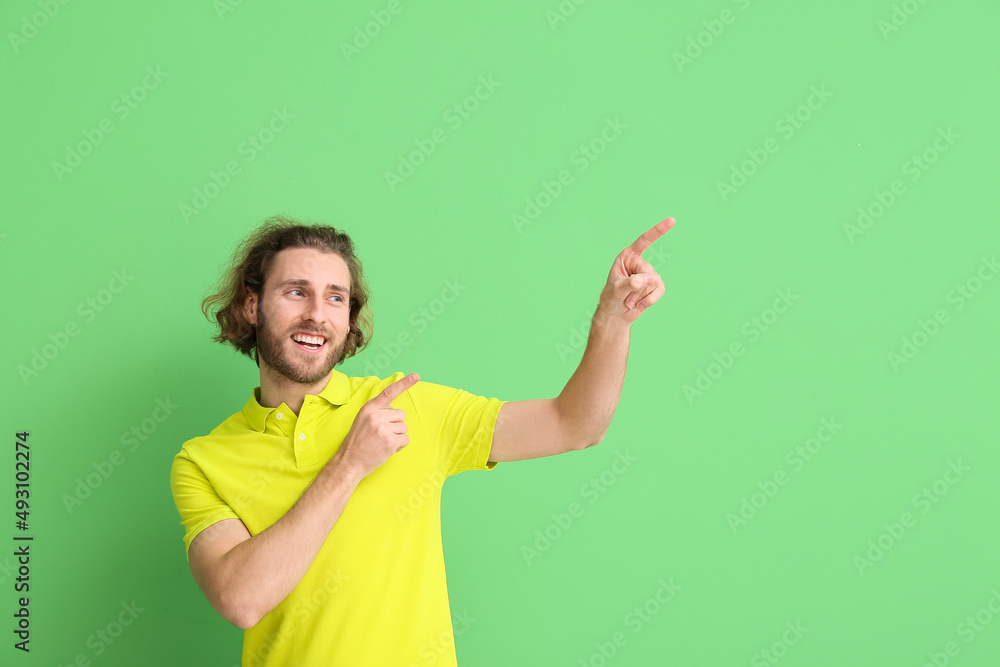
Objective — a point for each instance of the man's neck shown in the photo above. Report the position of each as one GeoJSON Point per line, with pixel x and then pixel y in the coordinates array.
{"type": "Point", "coordinates": [275, 391]}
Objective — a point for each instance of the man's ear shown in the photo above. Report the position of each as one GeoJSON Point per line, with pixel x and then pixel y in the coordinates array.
{"type": "Point", "coordinates": [250, 307]}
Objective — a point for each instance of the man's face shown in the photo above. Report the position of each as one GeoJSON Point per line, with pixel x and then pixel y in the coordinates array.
{"type": "Point", "coordinates": [306, 291]}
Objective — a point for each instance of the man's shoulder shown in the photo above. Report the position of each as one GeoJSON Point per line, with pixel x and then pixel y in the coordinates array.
{"type": "Point", "coordinates": [232, 428]}
{"type": "Point", "coordinates": [366, 388]}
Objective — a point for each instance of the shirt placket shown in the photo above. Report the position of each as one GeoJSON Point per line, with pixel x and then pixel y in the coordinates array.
{"type": "Point", "coordinates": [303, 435]}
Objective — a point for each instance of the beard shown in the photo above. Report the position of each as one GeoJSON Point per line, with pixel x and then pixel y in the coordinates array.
{"type": "Point", "coordinates": [274, 349]}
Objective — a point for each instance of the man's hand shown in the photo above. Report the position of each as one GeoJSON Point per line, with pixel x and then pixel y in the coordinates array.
{"type": "Point", "coordinates": [633, 285]}
{"type": "Point", "coordinates": [378, 431]}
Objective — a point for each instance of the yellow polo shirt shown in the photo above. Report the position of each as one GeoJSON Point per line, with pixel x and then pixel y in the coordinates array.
{"type": "Point", "coordinates": [376, 593]}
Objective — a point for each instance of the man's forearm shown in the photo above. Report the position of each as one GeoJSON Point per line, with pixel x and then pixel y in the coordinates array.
{"type": "Point", "coordinates": [589, 400]}
{"type": "Point", "coordinates": [262, 571]}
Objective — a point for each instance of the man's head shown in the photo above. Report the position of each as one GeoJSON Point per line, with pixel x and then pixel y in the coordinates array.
{"type": "Point", "coordinates": [288, 278]}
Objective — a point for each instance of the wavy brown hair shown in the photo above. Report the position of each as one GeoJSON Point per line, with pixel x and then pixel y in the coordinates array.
{"type": "Point", "coordinates": [248, 271]}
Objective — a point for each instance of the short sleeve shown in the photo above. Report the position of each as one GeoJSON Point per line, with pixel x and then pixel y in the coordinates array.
{"type": "Point", "coordinates": [461, 422]}
{"type": "Point", "coordinates": [197, 501]}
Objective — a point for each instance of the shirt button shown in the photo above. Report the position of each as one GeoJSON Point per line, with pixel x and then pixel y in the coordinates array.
{"type": "Point", "coordinates": [302, 436]}
{"type": "Point", "coordinates": [280, 416]}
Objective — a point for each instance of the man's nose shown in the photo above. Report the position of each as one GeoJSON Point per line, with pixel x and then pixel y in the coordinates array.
{"type": "Point", "coordinates": [316, 309]}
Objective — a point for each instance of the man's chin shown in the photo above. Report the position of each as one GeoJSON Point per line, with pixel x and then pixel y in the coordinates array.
{"type": "Point", "coordinates": [300, 373]}
{"type": "Point", "coordinates": [304, 368]}
{"type": "Point", "coordinates": [312, 373]}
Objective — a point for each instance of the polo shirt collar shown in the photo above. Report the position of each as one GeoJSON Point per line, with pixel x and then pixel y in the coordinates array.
{"type": "Point", "coordinates": [336, 392]}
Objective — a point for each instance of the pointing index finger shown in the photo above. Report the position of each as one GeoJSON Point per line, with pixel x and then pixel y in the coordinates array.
{"type": "Point", "coordinates": [389, 394]}
{"type": "Point", "coordinates": [640, 245]}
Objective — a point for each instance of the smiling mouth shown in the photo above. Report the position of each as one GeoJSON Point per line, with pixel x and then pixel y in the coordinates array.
{"type": "Point", "coordinates": [310, 347]}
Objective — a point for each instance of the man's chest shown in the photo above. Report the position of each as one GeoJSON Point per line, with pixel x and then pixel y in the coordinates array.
{"type": "Point", "coordinates": [262, 482]}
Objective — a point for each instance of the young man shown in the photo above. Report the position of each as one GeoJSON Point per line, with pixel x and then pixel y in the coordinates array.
{"type": "Point", "coordinates": [312, 516]}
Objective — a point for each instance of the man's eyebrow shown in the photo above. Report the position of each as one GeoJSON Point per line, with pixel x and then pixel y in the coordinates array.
{"type": "Point", "coordinates": [301, 282]}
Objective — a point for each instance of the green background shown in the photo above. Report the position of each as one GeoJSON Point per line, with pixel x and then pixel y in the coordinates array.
{"type": "Point", "coordinates": [516, 330]}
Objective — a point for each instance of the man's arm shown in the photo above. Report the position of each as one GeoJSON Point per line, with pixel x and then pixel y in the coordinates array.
{"type": "Point", "coordinates": [580, 416]}
{"type": "Point", "coordinates": [577, 418]}
{"type": "Point", "coordinates": [246, 577]}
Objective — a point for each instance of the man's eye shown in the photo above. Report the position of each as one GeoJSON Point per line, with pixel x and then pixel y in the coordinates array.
{"type": "Point", "coordinates": [335, 296]}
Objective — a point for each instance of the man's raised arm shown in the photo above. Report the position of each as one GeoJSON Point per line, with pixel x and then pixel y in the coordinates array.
{"type": "Point", "coordinates": [580, 416]}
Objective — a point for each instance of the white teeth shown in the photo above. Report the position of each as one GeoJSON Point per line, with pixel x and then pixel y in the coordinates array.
{"type": "Point", "coordinates": [314, 340]}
